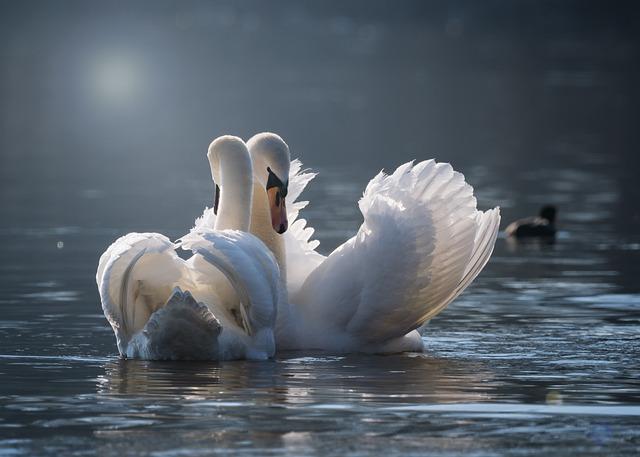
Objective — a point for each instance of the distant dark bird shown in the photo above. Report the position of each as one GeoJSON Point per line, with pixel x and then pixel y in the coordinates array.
{"type": "Point", "coordinates": [542, 226]}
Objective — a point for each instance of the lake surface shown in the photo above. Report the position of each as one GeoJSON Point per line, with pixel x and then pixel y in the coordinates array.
{"type": "Point", "coordinates": [535, 105]}
{"type": "Point", "coordinates": [539, 356]}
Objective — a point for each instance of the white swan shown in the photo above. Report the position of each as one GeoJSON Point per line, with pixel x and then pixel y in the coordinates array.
{"type": "Point", "coordinates": [421, 244]}
{"type": "Point", "coordinates": [219, 304]}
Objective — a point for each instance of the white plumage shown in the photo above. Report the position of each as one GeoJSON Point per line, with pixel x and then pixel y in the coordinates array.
{"type": "Point", "coordinates": [300, 248]}
{"type": "Point", "coordinates": [422, 242]}
{"type": "Point", "coordinates": [219, 304]}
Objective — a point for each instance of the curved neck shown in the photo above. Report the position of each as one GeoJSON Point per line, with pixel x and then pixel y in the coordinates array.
{"type": "Point", "coordinates": [262, 228]}
{"type": "Point", "coordinates": [236, 191]}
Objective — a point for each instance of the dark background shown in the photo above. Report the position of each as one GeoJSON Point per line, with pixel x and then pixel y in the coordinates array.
{"type": "Point", "coordinates": [107, 108]}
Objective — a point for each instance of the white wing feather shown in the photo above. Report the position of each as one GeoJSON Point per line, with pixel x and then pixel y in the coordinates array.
{"type": "Point", "coordinates": [136, 276]}
{"type": "Point", "coordinates": [302, 257]}
{"type": "Point", "coordinates": [253, 272]}
{"type": "Point", "coordinates": [421, 243]}
{"type": "Point", "coordinates": [246, 263]}
{"type": "Point", "coordinates": [205, 222]}
{"type": "Point", "coordinates": [140, 278]}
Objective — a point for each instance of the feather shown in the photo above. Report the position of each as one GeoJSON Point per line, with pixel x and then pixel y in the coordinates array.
{"type": "Point", "coordinates": [301, 255]}
{"type": "Point", "coordinates": [421, 244]}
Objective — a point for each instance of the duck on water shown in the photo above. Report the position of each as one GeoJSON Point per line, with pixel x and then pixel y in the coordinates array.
{"type": "Point", "coordinates": [541, 226]}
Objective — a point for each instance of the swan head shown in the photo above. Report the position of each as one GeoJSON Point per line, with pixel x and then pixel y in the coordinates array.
{"type": "Point", "coordinates": [271, 161]}
{"type": "Point", "coordinates": [224, 146]}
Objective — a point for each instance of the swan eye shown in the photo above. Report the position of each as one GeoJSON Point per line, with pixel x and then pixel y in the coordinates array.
{"type": "Point", "coordinates": [274, 181]}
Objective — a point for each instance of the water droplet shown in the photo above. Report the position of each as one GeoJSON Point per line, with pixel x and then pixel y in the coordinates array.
{"type": "Point", "coordinates": [60, 244]}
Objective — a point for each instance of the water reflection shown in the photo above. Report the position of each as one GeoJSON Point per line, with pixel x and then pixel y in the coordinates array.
{"type": "Point", "coordinates": [530, 244]}
{"type": "Point", "coordinates": [315, 404]}
{"type": "Point", "coordinates": [546, 335]}
{"type": "Point", "coordinates": [303, 379]}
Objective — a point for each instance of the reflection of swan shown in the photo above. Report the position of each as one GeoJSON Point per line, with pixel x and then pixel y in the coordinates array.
{"type": "Point", "coordinates": [231, 283]}
{"type": "Point", "coordinates": [305, 379]}
{"type": "Point", "coordinates": [421, 244]}
{"type": "Point", "coordinates": [144, 377]}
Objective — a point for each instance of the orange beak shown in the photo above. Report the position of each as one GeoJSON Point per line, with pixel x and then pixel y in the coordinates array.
{"type": "Point", "coordinates": [278, 209]}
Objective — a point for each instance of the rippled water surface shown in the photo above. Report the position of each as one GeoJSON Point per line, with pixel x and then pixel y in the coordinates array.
{"type": "Point", "coordinates": [540, 356]}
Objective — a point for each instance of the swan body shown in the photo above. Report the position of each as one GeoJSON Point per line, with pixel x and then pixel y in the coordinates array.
{"type": "Point", "coordinates": [220, 304]}
{"type": "Point", "coordinates": [421, 244]}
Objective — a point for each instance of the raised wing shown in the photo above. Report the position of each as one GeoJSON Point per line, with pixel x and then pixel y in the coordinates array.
{"type": "Point", "coordinates": [421, 243]}
{"type": "Point", "coordinates": [302, 257]}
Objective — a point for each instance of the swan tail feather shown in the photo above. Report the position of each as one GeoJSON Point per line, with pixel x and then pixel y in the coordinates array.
{"type": "Point", "coordinates": [182, 329]}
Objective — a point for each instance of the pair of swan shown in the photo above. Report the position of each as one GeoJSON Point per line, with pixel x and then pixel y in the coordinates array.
{"type": "Point", "coordinates": [255, 281]}
{"type": "Point", "coordinates": [221, 303]}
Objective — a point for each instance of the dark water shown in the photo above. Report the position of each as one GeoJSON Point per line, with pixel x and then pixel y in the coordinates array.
{"type": "Point", "coordinates": [534, 103]}
{"type": "Point", "coordinates": [539, 356]}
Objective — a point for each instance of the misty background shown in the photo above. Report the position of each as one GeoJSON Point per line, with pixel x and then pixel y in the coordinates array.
{"type": "Point", "coordinates": [107, 108]}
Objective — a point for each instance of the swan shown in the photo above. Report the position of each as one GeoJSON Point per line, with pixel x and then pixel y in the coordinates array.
{"type": "Point", "coordinates": [421, 244]}
{"type": "Point", "coordinates": [220, 304]}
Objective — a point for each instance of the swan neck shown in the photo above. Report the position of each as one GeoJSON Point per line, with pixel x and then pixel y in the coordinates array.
{"type": "Point", "coordinates": [235, 182]}
{"type": "Point", "coordinates": [262, 228]}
